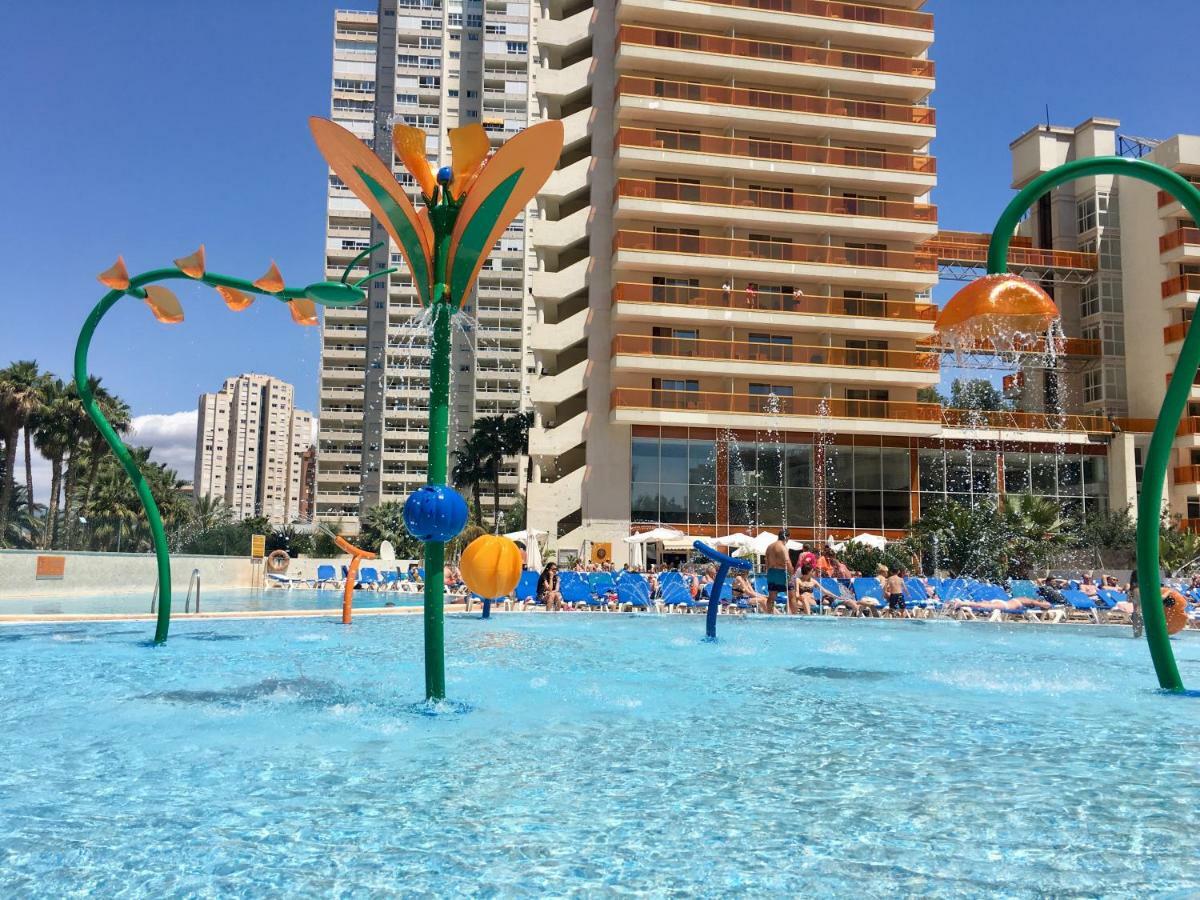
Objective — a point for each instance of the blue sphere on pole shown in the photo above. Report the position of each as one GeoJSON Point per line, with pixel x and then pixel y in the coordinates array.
{"type": "Point", "coordinates": [445, 175]}
{"type": "Point", "coordinates": [435, 512]}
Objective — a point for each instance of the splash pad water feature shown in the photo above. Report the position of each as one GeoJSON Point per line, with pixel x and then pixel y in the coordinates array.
{"type": "Point", "coordinates": [998, 304]}
{"type": "Point", "coordinates": [467, 205]}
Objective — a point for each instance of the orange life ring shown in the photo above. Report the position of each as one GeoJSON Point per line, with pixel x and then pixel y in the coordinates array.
{"type": "Point", "coordinates": [278, 562]}
{"type": "Point", "coordinates": [1175, 609]}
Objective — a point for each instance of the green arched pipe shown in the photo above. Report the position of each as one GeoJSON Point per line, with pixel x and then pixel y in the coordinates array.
{"type": "Point", "coordinates": [1158, 456]}
{"type": "Point", "coordinates": [324, 293]}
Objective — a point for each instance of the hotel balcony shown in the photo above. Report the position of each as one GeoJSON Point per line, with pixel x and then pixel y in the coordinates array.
{"type": "Point", "coordinates": [681, 153]}
{"type": "Point", "coordinates": [1180, 246]}
{"type": "Point", "coordinates": [643, 51]}
{"type": "Point", "coordinates": [647, 354]}
{"type": "Point", "coordinates": [692, 306]}
{"type": "Point", "coordinates": [1169, 207]}
{"type": "Point", "coordinates": [875, 27]}
{"type": "Point", "coordinates": [1186, 475]}
{"type": "Point", "coordinates": [666, 201]}
{"type": "Point", "coordinates": [767, 260]}
{"type": "Point", "coordinates": [688, 103]}
{"type": "Point", "coordinates": [1181, 291]}
{"type": "Point", "coordinates": [1174, 334]}
{"type": "Point", "coordinates": [649, 406]}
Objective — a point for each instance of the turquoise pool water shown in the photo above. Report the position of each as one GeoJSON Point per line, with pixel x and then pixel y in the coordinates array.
{"type": "Point", "coordinates": [600, 754]}
{"type": "Point", "coordinates": [223, 600]}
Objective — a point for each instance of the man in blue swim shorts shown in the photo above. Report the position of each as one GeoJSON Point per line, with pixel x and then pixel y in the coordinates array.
{"type": "Point", "coordinates": [779, 572]}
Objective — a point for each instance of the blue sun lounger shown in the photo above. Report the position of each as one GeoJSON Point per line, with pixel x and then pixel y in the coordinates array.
{"type": "Point", "coordinates": [526, 591]}
{"type": "Point", "coordinates": [576, 590]}
{"type": "Point", "coordinates": [633, 590]}
{"type": "Point", "coordinates": [1081, 603]}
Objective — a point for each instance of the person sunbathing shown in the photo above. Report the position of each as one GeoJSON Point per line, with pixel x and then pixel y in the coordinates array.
{"type": "Point", "coordinates": [744, 590]}
{"type": "Point", "coordinates": [1088, 588]}
{"type": "Point", "coordinates": [809, 590]}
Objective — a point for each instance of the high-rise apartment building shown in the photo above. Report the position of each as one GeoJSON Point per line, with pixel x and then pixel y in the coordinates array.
{"type": "Point", "coordinates": [731, 279]}
{"type": "Point", "coordinates": [435, 65]}
{"type": "Point", "coordinates": [1137, 307]}
{"type": "Point", "coordinates": [250, 439]}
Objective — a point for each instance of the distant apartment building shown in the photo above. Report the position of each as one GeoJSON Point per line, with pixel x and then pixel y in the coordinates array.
{"type": "Point", "coordinates": [1137, 307]}
{"type": "Point", "coordinates": [250, 441]}
{"type": "Point", "coordinates": [436, 66]}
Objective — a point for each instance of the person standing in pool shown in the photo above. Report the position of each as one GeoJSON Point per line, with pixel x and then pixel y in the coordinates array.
{"type": "Point", "coordinates": [779, 573]}
{"type": "Point", "coordinates": [893, 590]}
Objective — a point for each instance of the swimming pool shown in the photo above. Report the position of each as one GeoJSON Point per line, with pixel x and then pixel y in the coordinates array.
{"type": "Point", "coordinates": [214, 600]}
{"type": "Point", "coordinates": [601, 753]}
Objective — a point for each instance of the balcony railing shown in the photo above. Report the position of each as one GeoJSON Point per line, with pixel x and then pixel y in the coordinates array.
{"type": "Point", "coordinates": [841, 408]}
{"type": "Point", "coordinates": [962, 248]}
{"type": "Point", "coordinates": [776, 151]}
{"type": "Point", "coordinates": [1178, 238]}
{"type": "Point", "coordinates": [790, 53]}
{"type": "Point", "coordinates": [905, 260]}
{"type": "Point", "coordinates": [779, 101]}
{"type": "Point", "coordinates": [758, 404]}
{"type": "Point", "coordinates": [1166, 198]}
{"type": "Point", "coordinates": [1186, 474]}
{"type": "Point", "coordinates": [767, 301]}
{"type": "Point", "coordinates": [1179, 284]}
{"type": "Point", "coordinates": [850, 12]}
{"type": "Point", "coordinates": [782, 201]}
{"type": "Point", "coordinates": [1175, 332]}
{"type": "Point", "coordinates": [755, 352]}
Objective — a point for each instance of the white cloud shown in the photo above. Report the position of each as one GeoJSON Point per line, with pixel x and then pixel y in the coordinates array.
{"type": "Point", "coordinates": [171, 437]}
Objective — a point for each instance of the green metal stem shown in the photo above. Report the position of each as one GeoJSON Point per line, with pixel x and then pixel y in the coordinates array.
{"type": "Point", "coordinates": [442, 220]}
{"type": "Point", "coordinates": [157, 532]}
{"type": "Point", "coordinates": [1158, 456]}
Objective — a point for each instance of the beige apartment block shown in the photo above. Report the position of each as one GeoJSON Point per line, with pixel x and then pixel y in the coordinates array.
{"type": "Point", "coordinates": [436, 66]}
{"type": "Point", "coordinates": [250, 440]}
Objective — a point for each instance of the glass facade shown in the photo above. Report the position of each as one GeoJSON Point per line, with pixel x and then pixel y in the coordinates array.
{"type": "Point", "coordinates": [763, 481]}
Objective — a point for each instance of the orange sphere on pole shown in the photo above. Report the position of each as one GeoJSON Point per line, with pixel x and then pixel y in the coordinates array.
{"type": "Point", "coordinates": [491, 566]}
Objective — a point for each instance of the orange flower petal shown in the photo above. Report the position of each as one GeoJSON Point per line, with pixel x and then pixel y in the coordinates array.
{"type": "Point", "coordinates": [409, 144]}
{"type": "Point", "coordinates": [304, 312]}
{"type": "Point", "coordinates": [469, 147]}
{"type": "Point", "coordinates": [164, 304]}
{"type": "Point", "coordinates": [234, 299]}
{"type": "Point", "coordinates": [272, 281]}
{"type": "Point", "coordinates": [115, 276]}
{"type": "Point", "coordinates": [192, 266]}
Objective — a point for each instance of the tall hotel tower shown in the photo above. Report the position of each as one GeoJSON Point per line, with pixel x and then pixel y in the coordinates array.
{"type": "Point", "coordinates": [731, 277]}
{"type": "Point", "coordinates": [437, 66]}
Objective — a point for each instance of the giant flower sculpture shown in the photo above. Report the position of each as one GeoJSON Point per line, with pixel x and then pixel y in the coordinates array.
{"type": "Point", "coordinates": [238, 294]}
{"type": "Point", "coordinates": [467, 205]}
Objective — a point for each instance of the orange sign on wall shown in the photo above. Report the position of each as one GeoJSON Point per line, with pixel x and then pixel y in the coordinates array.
{"type": "Point", "coordinates": [602, 552]}
{"type": "Point", "coordinates": [258, 545]}
{"type": "Point", "coordinates": [50, 568]}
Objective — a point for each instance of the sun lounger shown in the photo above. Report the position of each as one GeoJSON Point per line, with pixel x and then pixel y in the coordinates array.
{"type": "Point", "coordinates": [869, 591]}
{"type": "Point", "coordinates": [576, 591]}
{"type": "Point", "coordinates": [633, 591]}
{"type": "Point", "coordinates": [326, 577]}
{"type": "Point", "coordinates": [526, 591]}
{"type": "Point", "coordinates": [676, 597]}
{"type": "Point", "coordinates": [368, 578]}
{"type": "Point", "coordinates": [1080, 605]}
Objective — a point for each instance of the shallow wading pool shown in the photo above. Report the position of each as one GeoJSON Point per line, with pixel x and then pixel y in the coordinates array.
{"type": "Point", "coordinates": [595, 753]}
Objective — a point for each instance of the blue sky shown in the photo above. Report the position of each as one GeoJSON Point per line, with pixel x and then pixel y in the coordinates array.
{"type": "Point", "coordinates": [144, 127]}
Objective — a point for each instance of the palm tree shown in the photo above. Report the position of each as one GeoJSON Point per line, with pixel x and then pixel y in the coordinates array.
{"type": "Point", "coordinates": [89, 449]}
{"type": "Point", "coordinates": [493, 438]}
{"type": "Point", "coordinates": [21, 389]}
{"type": "Point", "coordinates": [22, 523]}
{"type": "Point", "coordinates": [470, 471]}
{"type": "Point", "coordinates": [209, 512]}
{"type": "Point", "coordinates": [385, 522]}
{"type": "Point", "coordinates": [1037, 530]}
{"type": "Point", "coordinates": [55, 432]}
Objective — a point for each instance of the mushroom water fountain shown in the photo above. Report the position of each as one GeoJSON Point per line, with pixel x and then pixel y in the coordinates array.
{"type": "Point", "coordinates": [1000, 308]}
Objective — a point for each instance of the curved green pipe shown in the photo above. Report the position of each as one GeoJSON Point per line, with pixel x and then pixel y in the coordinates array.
{"type": "Point", "coordinates": [1158, 456]}
{"type": "Point", "coordinates": [157, 532]}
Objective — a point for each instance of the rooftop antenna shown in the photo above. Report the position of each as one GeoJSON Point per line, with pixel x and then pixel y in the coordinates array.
{"type": "Point", "coordinates": [1047, 116]}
